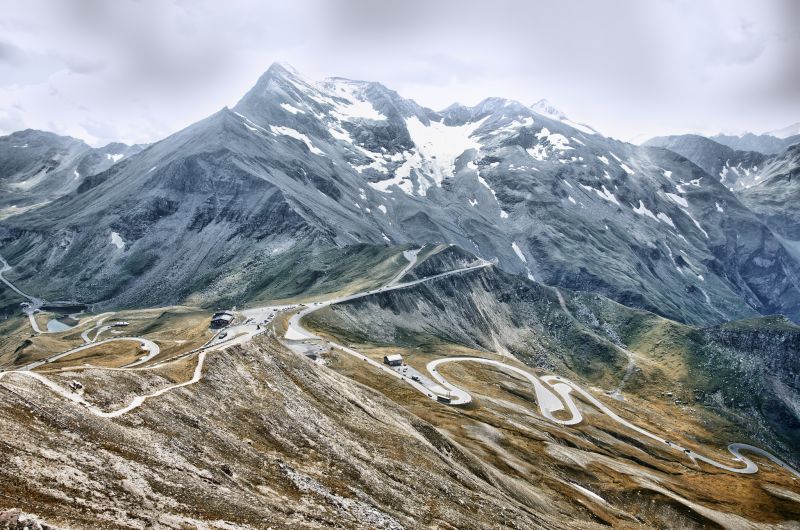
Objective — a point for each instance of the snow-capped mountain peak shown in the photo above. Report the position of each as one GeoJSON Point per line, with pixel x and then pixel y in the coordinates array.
{"type": "Point", "coordinates": [338, 162]}
{"type": "Point", "coordinates": [786, 132]}
{"type": "Point", "coordinates": [548, 110]}
{"type": "Point", "coordinates": [545, 108]}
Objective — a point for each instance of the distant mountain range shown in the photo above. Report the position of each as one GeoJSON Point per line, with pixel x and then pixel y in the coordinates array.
{"type": "Point", "coordinates": [37, 167]}
{"type": "Point", "coordinates": [300, 165]}
{"type": "Point", "coordinates": [764, 143]}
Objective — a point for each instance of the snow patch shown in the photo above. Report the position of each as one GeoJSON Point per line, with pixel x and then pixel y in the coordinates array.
{"type": "Point", "coordinates": [291, 109]}
{"type": "Point", "coordinates": [689, 215]}
{"type": "Point", "coordinates": [642, 210]}
{"type": "Point", "coordinates": [486, 185]}
{"type": "Point", "coordinates": [340, 134]}
{"type": "Point", "coordinates": [288, 131]}
{"type": "Point", "coordinates": [538, 152]}
{"type": "Point", "coordinates": [666, 218]}
{"type": "Point", "coordinates": [513, 126]}
{"type": "Point", "coordinates": [117, 241]}
{"type": "Point", "coordinates": [437, 147]}
{"type": "Point", "coordinates": [518, 252]}
{"type": "Point", "coordinates": [607, 195]}
{"type": "Point", "coordinates": [352, 104]}
{"type": "Point", "coordinates": [556, 141]}
{"type": "Point", "coordinates": [604, 193]}
{"type": "Point", "coordinates": [626, 169]}
{"type": "Point", "coordinates": [114, 157]}
{"type": "Point", "coordinates": [250, 124]}
{"type": "Point", "coordinates": [678, 199]}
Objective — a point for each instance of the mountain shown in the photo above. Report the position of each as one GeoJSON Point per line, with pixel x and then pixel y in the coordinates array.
{"type": "Point", "coordinates": [300, 167]}
{"type": "Point", "coordinates": [776, 198]}
{"type": "Point", "coordinates": [341, 223]}
{"type": "Point", "coordinates": [786, 132]}
{"type": "Point", "coordinates": [545, 108]}
{"type": "Point", "coordinates": [767, 143]}
{"type": "Point", "coordinates": [735, 169]}
{"type": "Point", "coordinates": [37, 167]}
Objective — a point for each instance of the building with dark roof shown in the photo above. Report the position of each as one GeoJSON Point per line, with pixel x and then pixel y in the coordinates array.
{"type": "Point", "coordinates": [221, 319]}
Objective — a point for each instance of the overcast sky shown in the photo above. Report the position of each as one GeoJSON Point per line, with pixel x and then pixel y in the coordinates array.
{"type": "Point", "coordinates": [136, 71]}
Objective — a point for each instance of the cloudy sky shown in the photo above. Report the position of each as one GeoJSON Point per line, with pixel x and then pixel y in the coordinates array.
{"type": "Point", "coordinates": [137, 70]}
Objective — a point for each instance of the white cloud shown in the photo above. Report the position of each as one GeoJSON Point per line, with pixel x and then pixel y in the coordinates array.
{"type": "Point", "coordinates": [137, 71]}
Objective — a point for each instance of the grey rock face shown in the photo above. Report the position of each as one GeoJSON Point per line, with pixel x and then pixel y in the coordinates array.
{"type": "Point", "coordinates": [754, 366]}
{"type": "Point", "coordinates": [37, 167]}
{"type": "Point", "coordinates": [298, 163]}
{"type": "Point", "coordinates": [776, 199]}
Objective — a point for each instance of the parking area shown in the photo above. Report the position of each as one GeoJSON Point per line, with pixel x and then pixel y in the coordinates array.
{"type": "Point", "coordinates": [415, 375]}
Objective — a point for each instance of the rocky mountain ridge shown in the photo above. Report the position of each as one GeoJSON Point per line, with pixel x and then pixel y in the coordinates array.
{"type": "Point", "coordinates": [325, 165]}
{"type": "Point", "coordinates": [37, 167]}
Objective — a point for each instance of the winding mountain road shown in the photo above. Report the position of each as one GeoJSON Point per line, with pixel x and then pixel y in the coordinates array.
{"type": "Point", "coordinates": [32, 306]}
{"type": "Point", "coordinates": [148, 345]}
{"type": "Point", "coordinates": [296, 331]}
{"type": "Point", "coordinates": [554, 394]}
{"type": "Point", "coordinates": [4, 269]}
{"type": "Point", "coordinates": [135, 402]}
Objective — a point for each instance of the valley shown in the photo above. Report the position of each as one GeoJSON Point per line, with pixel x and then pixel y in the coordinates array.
{"type": "Point", "coordinates": [330, 306]}
{"type": "Point", "coordinates": [520, 399]}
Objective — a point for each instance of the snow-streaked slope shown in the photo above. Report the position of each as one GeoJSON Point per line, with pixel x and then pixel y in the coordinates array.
{"type": "Point", "coordinates": [585, 211]}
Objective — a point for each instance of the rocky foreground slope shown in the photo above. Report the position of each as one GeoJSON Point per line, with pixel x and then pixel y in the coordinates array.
{"type": "Point", "coordinates": [304, 165]}
{"type": "Point", "coordinates": [266, 437]}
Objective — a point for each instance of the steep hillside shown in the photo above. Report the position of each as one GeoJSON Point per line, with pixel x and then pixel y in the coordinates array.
{"type": "Point", "coordinates": [745, 372]}
{"type": "Point", "coordinates": [777, 198]}
{"type": "Point", "coordinates": [267, 438]}
{"type": "Point", "coordinates": [259, 436]}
